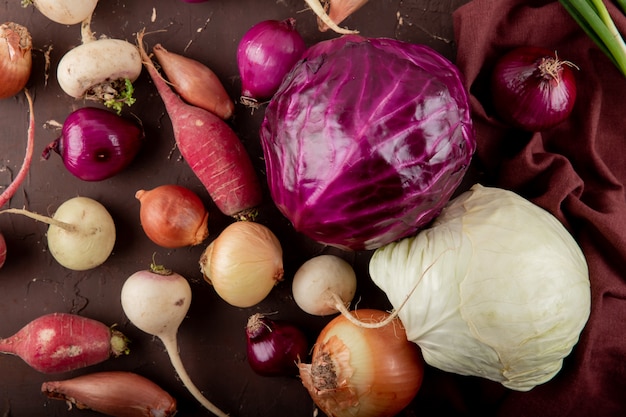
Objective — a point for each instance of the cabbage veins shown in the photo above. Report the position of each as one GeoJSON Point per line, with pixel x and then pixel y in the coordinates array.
{"type": "Point", "coordinates": [502, 288]}
{"type": "Point", "coordinates": [366, 140]}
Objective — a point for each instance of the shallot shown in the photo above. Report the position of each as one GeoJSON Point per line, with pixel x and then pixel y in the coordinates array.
{"type": "Point", "coordinates": [16, 59]}
{"type": "Point", "coordinates": [114, 393]}
{"type": "Point", "coordinates": [62, 342]}
{"type": "Point", "coordinates": [81, 234]}
{"type": "Point", "coordinates": [157, 301]}
{"type": "Point", "coordinates": [243, 263]}
{"type": "Point", "coordinates": [369, 372]}
{"type": "Point", "coordinates": [173, 216]}
{"type": "Point", "coordinates": [196, 83]}
{"type": "Point", "coordinates": [100, 69]}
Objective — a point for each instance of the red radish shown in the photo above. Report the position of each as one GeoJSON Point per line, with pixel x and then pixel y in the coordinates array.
{"type": "Point", "coordinates": [63, 342]}
{"type": "Point", "coordinates": [212, 150]}
{"type": "Point", "coordinates": [114, 393]}
{"type": "Point", "coordinates": [8, 193]}
{"type": "Point", "coordinates": [3, 250]}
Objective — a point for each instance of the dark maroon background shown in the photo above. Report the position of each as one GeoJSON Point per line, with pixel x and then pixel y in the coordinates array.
{"type": "Point", "coordinates": [212, 340]}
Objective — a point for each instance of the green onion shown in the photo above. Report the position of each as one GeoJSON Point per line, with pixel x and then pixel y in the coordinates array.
{"type": "Point", "coordinates": [593, 17]}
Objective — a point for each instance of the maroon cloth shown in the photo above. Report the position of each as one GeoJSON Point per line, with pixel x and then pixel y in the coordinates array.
{"type": "Point", "coordinates": [577, 171]}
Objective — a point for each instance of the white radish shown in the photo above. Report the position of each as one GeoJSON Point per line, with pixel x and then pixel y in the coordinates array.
{"type": "Point", "coordinates": [157, 301]}
{"type": "Point", "coordinates": [66, 12]}
{"type": "Point", "coordinates": [100, 69]}
{"type": "Point", "coordinates": [324, 285]}
{"type": "Point", "coordinates": [81, 234]}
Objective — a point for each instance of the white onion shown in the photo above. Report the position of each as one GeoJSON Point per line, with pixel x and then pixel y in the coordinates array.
{"type": "Point", "coordinates": [243, 263]}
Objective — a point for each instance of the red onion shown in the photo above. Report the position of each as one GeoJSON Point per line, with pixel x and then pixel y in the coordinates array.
{"type": "Point", "coordinates": [95, 144]}
{"type": "Point", "coordinates": [274, 347]}
{"type": "Point", "coordinates": [266, 53]}
{"type": "Point", "coordinates": [532, 88]}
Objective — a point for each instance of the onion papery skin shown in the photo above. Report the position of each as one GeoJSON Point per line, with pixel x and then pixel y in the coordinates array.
{"type": "Point", "coordinates": [173, 216]}
{"type": "Point", "coordinates": [114, 393]}
{"type": "Point", "coordinates": [529, 97]}
{"type": "Point", "coordinates": [265, 54]}
{"type": "Point", "coordinates": [66, 12]}
{"type": "Point", "coordinates": [363, 372]}
{"type": "Point", "coordinates": [16, 60]}
{"type": "Point", "coordinates": [96, 144]}
{"type": "Point", "coordinates": [243, 264]}
{"type": "Point", "coordinates": [274, 347]}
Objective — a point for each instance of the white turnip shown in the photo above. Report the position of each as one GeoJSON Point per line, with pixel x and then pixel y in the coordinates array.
{"type": "Point", "coordinates": [324, 285]}
{"type": "Point", "coordinates": [16, 58]}
{"type": "Point", "coordinates": [81, 234]}
{"type": "Point", "coordinates": [63, 342]}
{"type": "Point", "coordinates": [102, 70]}
{"type": "Point", "coordinates": [66, 12]}
{"type": "Point", "coordinates": [157, 301]}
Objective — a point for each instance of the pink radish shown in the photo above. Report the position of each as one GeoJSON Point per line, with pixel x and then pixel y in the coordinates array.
{"type": "Point", "coordinates": [63, 342]}
{"type": "Point", "coordinates": [212, 150]}
{"type": "Point", "coordinates": [8, 193]}
{"type": "Point", "coordinates": [3, 250]}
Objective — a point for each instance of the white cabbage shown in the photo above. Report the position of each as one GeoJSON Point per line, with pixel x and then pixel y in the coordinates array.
{"type": "Point", "coordinates": [502, 288]}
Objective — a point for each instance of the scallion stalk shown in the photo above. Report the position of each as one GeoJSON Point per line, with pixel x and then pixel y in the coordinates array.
{"type": "Point", "coordinates": [594, 18]}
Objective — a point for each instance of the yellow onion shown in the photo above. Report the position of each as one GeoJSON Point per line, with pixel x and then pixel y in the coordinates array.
{"type": "Point", "coordinates": [173, 216]}
{"type": "Point", "coordinates": [243, 263]}
{"type": "Point", "coordinates": [16, 60]}
{"type": "Point", "coordinates": [364, 372]}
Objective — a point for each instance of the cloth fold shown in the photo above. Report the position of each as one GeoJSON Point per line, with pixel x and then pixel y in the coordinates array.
{"type": "Point", "coordinates": [577, 171]}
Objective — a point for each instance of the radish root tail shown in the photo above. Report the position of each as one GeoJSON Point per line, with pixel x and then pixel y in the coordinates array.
{"type": "Point", "coordinates": [171, 346]}
{"type": "Point", "coordinates": [343, 309]}
{"type": "Point", "coordinates": [8, 193]}
{"type": "Point", "coordinates": [45, 219]}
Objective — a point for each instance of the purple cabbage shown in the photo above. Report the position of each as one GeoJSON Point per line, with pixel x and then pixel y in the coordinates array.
{"type": "Point", "coordinates": [366, 140]}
